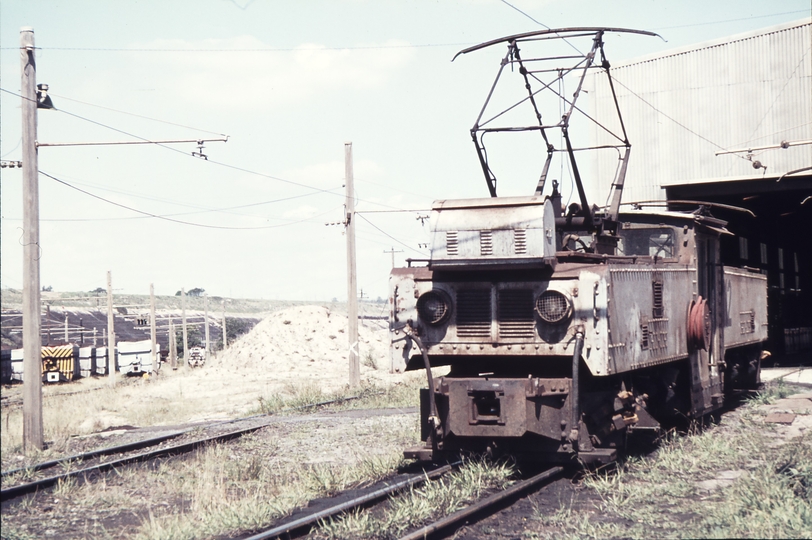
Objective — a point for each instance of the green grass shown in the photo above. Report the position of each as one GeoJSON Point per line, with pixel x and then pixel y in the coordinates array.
{"type": "Point", "coordinates": [298, 398]}
{"type": "Point", "coordinates": [420, 504]}
{"type": "Point", "coordinates": [228, 491]}
{"type": "Point", "coordinates": [668, 494]}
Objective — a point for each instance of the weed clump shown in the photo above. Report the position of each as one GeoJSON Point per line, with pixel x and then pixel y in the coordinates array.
{"type": "Point", "coordinates": [420, 504]}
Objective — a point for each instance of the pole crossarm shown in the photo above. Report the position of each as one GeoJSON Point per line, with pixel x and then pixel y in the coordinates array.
{"type": "Point", "coordinates": [109, 143]}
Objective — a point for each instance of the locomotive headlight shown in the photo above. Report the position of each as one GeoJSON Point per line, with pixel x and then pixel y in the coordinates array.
{"type": "Point", "coordinates": [553, 306]}
{"type": "Point", "coordinates": [434, 307]}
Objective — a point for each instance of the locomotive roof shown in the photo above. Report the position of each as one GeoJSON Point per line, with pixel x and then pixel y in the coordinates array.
{"type": "Point", "coordinates": [646, 215]}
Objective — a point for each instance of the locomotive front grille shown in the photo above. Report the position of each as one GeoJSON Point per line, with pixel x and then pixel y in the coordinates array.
{"type": "Point", "coordinates": [474, 313]}
{"type": "Point", "coordinates": [515, 314]}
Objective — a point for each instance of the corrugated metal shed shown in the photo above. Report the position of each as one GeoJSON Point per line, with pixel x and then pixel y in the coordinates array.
{"type": "Point", "coordinates": [682, 106]}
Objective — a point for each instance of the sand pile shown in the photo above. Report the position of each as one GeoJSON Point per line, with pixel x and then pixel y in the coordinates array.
{"type": "Point", "coordinates": [309, 344]}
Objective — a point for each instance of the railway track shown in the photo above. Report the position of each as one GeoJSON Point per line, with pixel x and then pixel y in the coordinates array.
{"type": "Point", "coordinates": [98, 465]}
{"type": "Point", "coordinates": [437, 529]}
{"type": "Point", "coordinates": [6, 401]}
{"type": "Point", "coordinates": [443, 526]}
{"type": "Point", "coordinates": [302, 525]}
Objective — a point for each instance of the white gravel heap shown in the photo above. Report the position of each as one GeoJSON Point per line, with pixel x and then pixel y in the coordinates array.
{"type": "Point", "coordinates": [309, 342]}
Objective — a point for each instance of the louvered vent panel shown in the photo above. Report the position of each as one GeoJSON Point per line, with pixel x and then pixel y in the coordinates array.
{"type": "Point", "coordinates": [485, 243]}
{"type": "Point", "coordinates": [451, 242]}
{"type": "Point", "coordinates": [515, 314]}
{"type": "Point", "coordinates": [474, 313]}
{"type": "Point", "coordinates": [520, 241]}
{"type": "Point", "coordinates": [657, 298]}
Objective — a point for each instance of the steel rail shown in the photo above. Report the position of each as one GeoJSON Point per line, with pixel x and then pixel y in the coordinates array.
{"type": "Point", "coordinates": [307, 521]}
{"type": "Point", "coordinates": [119, 449]}
{"type": "Point", "coordinates": [491, 501]}
{"type": "Point", "coordinates": [144, 443]}
{"type": "Point", "coordinates": [23, 489]}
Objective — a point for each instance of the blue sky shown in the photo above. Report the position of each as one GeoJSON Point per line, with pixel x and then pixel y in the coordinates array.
{"type": "Point", "coordinates": [289, 82]}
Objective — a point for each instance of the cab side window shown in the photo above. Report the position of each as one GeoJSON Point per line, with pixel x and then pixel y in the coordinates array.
{"type": "Point", "coordinates": [657, 242]}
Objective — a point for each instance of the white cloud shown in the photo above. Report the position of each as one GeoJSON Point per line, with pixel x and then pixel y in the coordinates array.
{"type": "Point", "coordinates": [256, 79]}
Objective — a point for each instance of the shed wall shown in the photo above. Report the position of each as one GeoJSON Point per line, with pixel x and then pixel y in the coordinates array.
{"type": "Point", "coordinates": [682, 106]}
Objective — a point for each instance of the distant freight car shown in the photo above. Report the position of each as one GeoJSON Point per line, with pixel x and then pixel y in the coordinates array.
{"type": "Point", "coordinates": [135, 357]}
{"type": "Point", "coordinates": [17, 365]}
{"type": "Point", "coordinates": [100, 366]}
{"type": "Point", "coordinates": [87, 361]}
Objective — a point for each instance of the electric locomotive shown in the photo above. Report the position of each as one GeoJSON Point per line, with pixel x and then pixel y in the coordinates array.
{"type": "Point", "coordinates": [567, 329]}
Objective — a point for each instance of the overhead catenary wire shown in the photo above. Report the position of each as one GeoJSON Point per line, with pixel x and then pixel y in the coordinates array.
{"type": "Point", "coordinates": [157, 216]}
{"type": "Point", "coordinates": [199, 209]}
{"type": "Point", "coordinates": [61, 97]}
{"type": "Point", "coordinates": [734, 20]}
{"type": "Point", "coordinates": [243, 50]}
{"type": "Point", "coordinates": [780, 92]}
{"type": "Point", "coordinates": [680, 124]}
{"type": "Point", "coordinates": [404, 244]}
{"type": "Point", "coordinates": [541, 24]}
{"type": "Point", "coordinates": [211, 161]}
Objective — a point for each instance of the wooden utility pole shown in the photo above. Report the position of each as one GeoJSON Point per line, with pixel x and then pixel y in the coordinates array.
{"type": "Point", "coordinates": [185, 335]}
{"type": "Point", "coordinates": [225, 332]}
{"type": "Point", "coordinates": [173, 345]}
{"type": "Point", "coordinates": [352, 286]}
{"type": "Point", "coordinates": [153, 338]}
{"type": "Point", "coordinates": [393, 251]}
{"type": "Point", "coordinates": [206, 304]}
{"type": "Point", "coordinates": [111, 334]}
{"type": "Point", "coordinates": [33, 437]}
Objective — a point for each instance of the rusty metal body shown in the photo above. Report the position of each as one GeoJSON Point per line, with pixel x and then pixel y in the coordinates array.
{"type": "Point", "coordinates": [567, 331]}
{"type": "Point", "coordinates": [646, 351]}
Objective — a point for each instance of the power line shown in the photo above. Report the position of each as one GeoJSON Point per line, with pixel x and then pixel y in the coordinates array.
{"type": "Point", "coordinates": [148, 214]}
{"type": "Point", "coordinates": [408, 211]}
{"type": "Point", "coordinates": [201, 210]}
{"type": "Point", "coordinates": [258, 49]}
{"type": "Point", "coordinates": [680, 124]}
{"type": "Point", "coordinates": [733, 20]}
{"type": "Point", "coordinates": [198, 209]}
{"type": "Point", "coordinates": [778, 95]}
{"type": "Point", "coordinates": [220, 163]}
{"type": "Point", "coordinates": [136, 115]}
{"type": "Point", "coordinates": [542, 24]}
{"type": "Point", "coordinates": [526, 15]}
{"type": "Point", "coordinates": [215, 162]}
{"type": "Point", "coordinates": [390, 236]}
